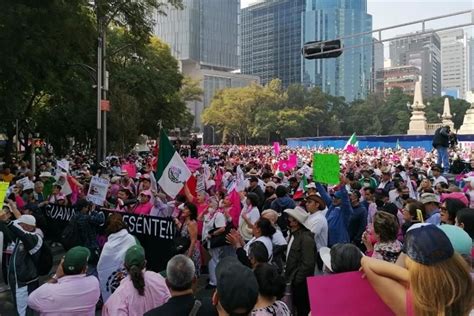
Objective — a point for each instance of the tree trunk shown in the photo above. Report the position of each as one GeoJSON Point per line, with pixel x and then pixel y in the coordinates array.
{"type": "Point", "coordinates": [9, 144]}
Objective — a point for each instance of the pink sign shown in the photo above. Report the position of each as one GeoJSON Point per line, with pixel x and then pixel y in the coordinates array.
{"type": "Point", "coordinates": [344, 294]}
{"type": "Point", "coordinates": [276, 148]}
{"type": "Point", "coordinates": [417, 153]}
{"type": "Point", "coordinates": [288, 164]}
{"type": "Point", "coordinates": [131, 169]}
{"type": "Point", "coordinates": [193, 163]}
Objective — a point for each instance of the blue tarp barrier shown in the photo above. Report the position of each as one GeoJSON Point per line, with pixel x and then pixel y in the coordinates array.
{"type": "Point", "coordinates": [389, 141]}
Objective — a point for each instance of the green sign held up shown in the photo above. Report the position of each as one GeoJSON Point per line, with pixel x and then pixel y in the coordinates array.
{"type": "Point", "coordinates": [326, 168]}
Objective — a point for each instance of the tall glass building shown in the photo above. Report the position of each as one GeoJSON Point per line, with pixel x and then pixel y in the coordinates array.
{"type": "Point", "coordinates": [204, 37]}
{"type": "Point", "coordinates": [271, 40]}
{"type": "Point", "coordinates": [205, 31]}
{"type": "Point", "coordinates": [351, 74]}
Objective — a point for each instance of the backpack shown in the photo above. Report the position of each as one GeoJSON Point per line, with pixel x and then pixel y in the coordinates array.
{"type": "Point", "coordinates": [45, 260]}
{"type": "Point", "coordinates": [70, 237]}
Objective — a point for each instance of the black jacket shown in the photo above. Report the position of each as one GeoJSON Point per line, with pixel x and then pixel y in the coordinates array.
{"type": "Point", "coordinates": [261, 196]}
{"type": "Point", "coordinates": [441, 137]}
{"type": "Point", "coordinates": [22, 268]}
{"type": "Point", "coordinates": [182, 306]}
{"type": "Point", "coordinates": [301, 259]}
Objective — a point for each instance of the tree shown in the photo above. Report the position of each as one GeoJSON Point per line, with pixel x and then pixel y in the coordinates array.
{"type": "Point", "coordinates": [43, 42]}
{"type": "Point", "coordinates": [457, 106]}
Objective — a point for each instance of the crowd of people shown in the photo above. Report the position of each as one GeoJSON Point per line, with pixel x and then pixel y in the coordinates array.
{"type": "Point", "coordinates": [257, 231]}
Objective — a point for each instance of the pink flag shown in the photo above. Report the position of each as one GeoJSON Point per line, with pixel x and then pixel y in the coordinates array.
{"type": "Point", "coordinates": [276, 148]}
{"type": "Point", "coordinates": [288, 164]}
{"type": "Point", "coordinates": [351, 149]}
{"type": "Point", "coordinates": [235, 210]}
{"type": "Point", "coordinates": [218, 178]}
{"type": "Point", "coordinates": [131, 169]}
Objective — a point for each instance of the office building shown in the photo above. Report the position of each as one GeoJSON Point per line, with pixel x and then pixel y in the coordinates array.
{"type": "Point", "coordinates": [205, 31]}
{"type": "Point", "coordinates": [377, 64]}
{"type": "Point", "coordinates": [401, 77]}
{"type": "Point", "coordinates": [204, 37]}
{"type": "Point", "coordinates": [470, 64]}
{"type": "Point", "coordinates": [350, 75]}
{"type": "Point", "coordinates": [271, 40]}
{"type": "Point", "coordinates": [453, 63]}
{"type": "Point", "coordinates": [424, 52]}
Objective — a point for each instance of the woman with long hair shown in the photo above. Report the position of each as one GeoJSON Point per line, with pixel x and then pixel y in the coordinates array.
{"type": "Point", "coordinates": [189, 229]}
{"type": "Point", "coordinates": [448, 210]}
{"type": "Point", "coordinates": [140, 291]}
{"type": "Point", "coordinates": [413, 213]}
{"type": "Point", "coordinates": [436, 280]}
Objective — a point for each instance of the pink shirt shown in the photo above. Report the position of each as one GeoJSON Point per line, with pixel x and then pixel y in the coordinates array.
{"type": "Point", "coordinates": [143, 209]}
{"type": "Point", "coordinates": [73, 295]}
{"type": "Point", "coordinates": [126, 300]}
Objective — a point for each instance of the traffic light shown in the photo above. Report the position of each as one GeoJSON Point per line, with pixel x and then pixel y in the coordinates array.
{"type": "Point", "coordinates": [322, 49]}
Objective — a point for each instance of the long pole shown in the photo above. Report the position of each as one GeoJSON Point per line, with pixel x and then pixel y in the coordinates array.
{"type": "Point", "coordinates": [104, 91]}
{"type": "Point", "coordinates": [99, 89]}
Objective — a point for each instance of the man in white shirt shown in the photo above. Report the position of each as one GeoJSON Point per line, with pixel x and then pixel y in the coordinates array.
{"type": "Point", "coordinates": [316, 221]}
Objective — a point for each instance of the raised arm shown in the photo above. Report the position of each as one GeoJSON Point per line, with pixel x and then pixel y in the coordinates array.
{"type": "Point", "coordinates": [387, 280]}
{"type": "Point", "coordinates": [324, 194]}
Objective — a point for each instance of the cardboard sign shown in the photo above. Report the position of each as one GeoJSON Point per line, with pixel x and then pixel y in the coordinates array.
{"type": "Point", "coordinates": [3, 192]}
{"type": "Point", "coordinates": [98, 190]}
{"type": "Point", "coordinates": [193, 164]}
{"type": "Point", "coordinates": [326, 168]}
{"type": "Point", "coordinates": [355, 296]}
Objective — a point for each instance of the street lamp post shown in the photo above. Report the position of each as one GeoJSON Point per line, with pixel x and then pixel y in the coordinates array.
{"type": "Point", "coordinates": [100, 42]}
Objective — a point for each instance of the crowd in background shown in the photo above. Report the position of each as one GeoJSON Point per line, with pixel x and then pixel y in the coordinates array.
{"type": "Point", "coordinates": [257, 231]}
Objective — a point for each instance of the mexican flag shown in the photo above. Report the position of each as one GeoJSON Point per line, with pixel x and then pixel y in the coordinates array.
{"type": "Point", "coordinates": [398, 146]}
{"type": "Point", "coordinates": [301, 188]}
{"type": "Point", "coordinates": [352, 144]}
{"type": "Point", "coordinates": [171, 171]}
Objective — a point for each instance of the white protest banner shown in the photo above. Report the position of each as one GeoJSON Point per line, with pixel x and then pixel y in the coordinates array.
{"type": "Point", "coordinates": [98, 190]}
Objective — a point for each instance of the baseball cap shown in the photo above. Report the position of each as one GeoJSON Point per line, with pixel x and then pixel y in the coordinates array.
{"type": "Point", "coordinates": [461, 241]}
{"type": "Point", "coordinates": [76, 258]}
{"type": "Point", "coordinates": [338, 194]}
{"type": "Point", "coordinates": [427, 244]}
{"type": "Point", "coordinates": [311, 185]}
{"type": "Point", "coordinates": [27, 219]}
{"type": "Point", "coordinates": [135, 256]}
{"type": "Point", "coordinates": [237, 286]}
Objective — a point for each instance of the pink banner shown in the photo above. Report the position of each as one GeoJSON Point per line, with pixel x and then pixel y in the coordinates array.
{"type": "Point", "coordinates": [355, 296]}
{"type": "Point", "coordinates": [131, 169]}
{"type": "Point", "coordinates": [193, 164]}
{"type": "Point", "coordinates": [276, 148]}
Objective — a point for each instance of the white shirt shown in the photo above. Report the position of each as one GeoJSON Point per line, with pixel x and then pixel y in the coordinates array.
{"type": "Point", "coordinates": [216, 220]}
{"type": "Point", "coordinates": [439, 180]}
{"type": "Point", "coordinates": [265, 240]}
{"type": "Point", "coordinates": [253, 215]}
{"type": "Point", "coordinates": [318, 225]}
{"type": "Point", "coordinates": [278, 239]}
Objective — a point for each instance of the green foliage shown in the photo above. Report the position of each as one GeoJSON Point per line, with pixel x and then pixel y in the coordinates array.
{"type": "Point", "coordinates": [259, 114]}
{"type": "Point", "coordinates": [46, 85]}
